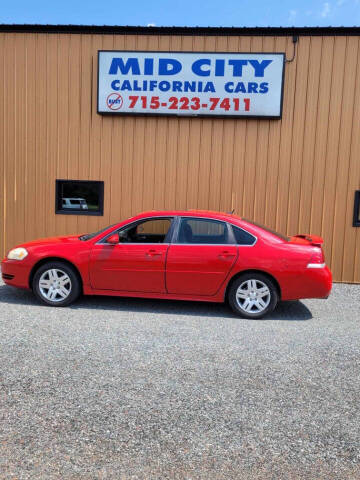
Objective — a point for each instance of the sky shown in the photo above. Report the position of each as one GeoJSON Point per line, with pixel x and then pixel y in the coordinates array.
{"type": "Point", "coordinates": [238, 13]}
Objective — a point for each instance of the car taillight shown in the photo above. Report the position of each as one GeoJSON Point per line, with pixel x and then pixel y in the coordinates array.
{"type": "Point", "coordinates": [317, 259]}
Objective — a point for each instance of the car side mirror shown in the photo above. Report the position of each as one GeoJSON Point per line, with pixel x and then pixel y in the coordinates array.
{"type": "Point", "coordinates": [113, 239]}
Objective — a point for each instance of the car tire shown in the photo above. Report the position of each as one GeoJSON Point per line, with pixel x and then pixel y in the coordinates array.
{"type": "Point", "coordinates": [56, 284]}
{"type": "Point", "coordinates": [253, 295]}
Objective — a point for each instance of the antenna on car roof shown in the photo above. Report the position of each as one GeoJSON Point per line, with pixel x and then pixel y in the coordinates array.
{"type": "Point", "coordinates": [232, 212]}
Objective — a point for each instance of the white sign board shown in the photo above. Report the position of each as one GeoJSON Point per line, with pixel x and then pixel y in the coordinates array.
{"type": "Point", "coordinates": [178, 83]}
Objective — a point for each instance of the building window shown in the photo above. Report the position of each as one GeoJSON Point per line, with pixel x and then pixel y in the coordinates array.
{"type": "Point", "coordinates": [356, 222]}
{"type": "Point", "coordinates": [79, 197]}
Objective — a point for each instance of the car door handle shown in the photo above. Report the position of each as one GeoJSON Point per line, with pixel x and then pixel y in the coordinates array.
{"type": "Point", "coordinates": [224, 255]}
{"type": "Point", "coordinates": [153, 253]}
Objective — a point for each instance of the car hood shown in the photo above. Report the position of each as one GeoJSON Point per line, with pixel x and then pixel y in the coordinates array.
{"type": "Point", "coordinates": [62, 240]}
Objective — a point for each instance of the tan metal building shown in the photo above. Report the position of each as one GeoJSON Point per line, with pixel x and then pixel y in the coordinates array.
{"type": "Point", "coordinates": [297, 174]}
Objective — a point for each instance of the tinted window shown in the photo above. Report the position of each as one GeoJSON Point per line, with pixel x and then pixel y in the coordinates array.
{"type": "Point", "coordinates": [149, 231]}
{"type": "Point", "coordinates": [88, 236]}
{"type": "Point", "coordinates": [202, 231]}
{"type": "Point", "coordinates": [242, 237]}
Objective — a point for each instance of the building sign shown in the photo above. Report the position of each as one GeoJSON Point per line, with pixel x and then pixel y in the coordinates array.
{"type": "Point", "coordinates": [177, 83]}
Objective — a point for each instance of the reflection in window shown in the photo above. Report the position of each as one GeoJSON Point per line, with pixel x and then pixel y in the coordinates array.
{"type": "Point", "coordinates": [79, 197]}
{"type": "Point", "coordinates": [149, 231]}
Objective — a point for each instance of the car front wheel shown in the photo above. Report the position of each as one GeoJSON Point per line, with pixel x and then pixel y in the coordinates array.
{"type": "Point", "coordinates": [253, 295]}
{"type": "Point", "coordinates": [56, 284]}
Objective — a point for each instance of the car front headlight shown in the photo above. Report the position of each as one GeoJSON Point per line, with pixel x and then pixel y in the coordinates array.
{"type": "Point", "coordinates": [17, 254]}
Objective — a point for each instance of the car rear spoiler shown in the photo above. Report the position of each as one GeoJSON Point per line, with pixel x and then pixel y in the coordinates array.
{"type": "Point", "coordinates": [312, 239]}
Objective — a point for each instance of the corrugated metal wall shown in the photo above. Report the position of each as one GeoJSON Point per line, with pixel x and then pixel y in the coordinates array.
{"type": "Point", "coordinates": [297, 174]}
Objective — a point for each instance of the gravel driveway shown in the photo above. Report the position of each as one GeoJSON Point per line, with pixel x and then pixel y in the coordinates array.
{"type": "Point", "coordinates": [142, 389]}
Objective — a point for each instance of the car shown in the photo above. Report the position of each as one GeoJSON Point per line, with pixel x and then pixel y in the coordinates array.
{"type": "Point", "coordinates": [181, 255]}
{"type": "Point", "coordinates": [74, 203]}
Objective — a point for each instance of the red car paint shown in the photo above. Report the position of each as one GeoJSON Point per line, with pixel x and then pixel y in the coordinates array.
{"type": "Point", "coordinates": [179, 271]}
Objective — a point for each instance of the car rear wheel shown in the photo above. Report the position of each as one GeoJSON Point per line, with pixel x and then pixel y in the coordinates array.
{"type": "Point", "coordinates": [253, 295]}
{"type": "Point", "coordinates": [56, 284]}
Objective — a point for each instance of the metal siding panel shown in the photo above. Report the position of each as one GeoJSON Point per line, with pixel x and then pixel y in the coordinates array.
{"type": "Point", "coordinates": [63, 120]}
{"type": "Point", "coordinates": [342, 222]}
{"type": "Point", "coordinates": [20, 129]}
{"type": "Point", "coordinates": [117, 150]}
{"type": "Point", "coordinates": [273, 159]}
{"type": "Point", "coordinates": [10, 142]}
{"type": "Point", "coordinates": [332, 153]}
{"type": "Point", "coordinates": [52, 91]}
{"type": "Point", "coordinates": [286, 127]}
{"type": "Point", "coordinates": [321, 137]}
{"type": "Point", "coordinates": [161, 141]}
{"type": "Point", "coordinates": [85, 106]}
{"type": "Point", "coordinates": [216, 157]}
{"type": "Point", "coordinates": [240, 132]}
{"type": "Point", "coordinates": [106, 150]}
{"type": "Point", "coordinates": [351, 246]}
{"type": "Point", "coordinates": [194, 148]}
{"type": "Point", "coordinates": [262, 154]}
{"type": "Point", "coordinates": [183, 147]}
{"type": "Point", "coordinates": [74, 121]}
{"type": "Point", "coordinates": [206, 147]}
{"type": "Point", "coordinates": [227, 163]}
{"type": "Point", "coordinates": [298, 128]}
{"type": "Point", "coordinates": [310, 124]}
{"type": "Point", "coordinates": [3, 191]}
{"type": "Point", "coordinates": [55, 132]}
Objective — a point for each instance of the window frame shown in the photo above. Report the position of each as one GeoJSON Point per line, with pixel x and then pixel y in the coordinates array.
{"type": "Point", "coordinates": [356, 218]}
{"type": "Point", "coordinates": [168, 236]}
{"type": "Point", "coordinates": [65, 211]}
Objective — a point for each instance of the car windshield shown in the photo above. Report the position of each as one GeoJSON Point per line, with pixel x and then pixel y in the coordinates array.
{"type": "Point", "coordinates": [89, 236]}
{"type": "Point", "coordinates": [277, 234]}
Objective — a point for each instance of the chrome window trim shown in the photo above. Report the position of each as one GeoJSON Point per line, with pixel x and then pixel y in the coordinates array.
{"type": "Point", "coordinates": [176, 219]}
{"type": "Point", "coordinates": [128, 243]}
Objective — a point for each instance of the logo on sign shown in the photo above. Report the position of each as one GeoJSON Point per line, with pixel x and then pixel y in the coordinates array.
{"type": "Point", "coordinates": [114, 101]}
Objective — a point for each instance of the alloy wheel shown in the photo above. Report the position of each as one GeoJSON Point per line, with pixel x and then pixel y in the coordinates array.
{"type": "Point", "coordinates": [253, 296]}
{"type": "Point", "coordinates": [55, 285]}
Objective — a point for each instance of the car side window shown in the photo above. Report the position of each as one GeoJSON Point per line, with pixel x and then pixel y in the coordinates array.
{"type": "Point", "coordinates": [242, 237]}
{"type": "Point", "coordinates": [202, 231]}
{"type": "Point", "coordinates": [148, 231]}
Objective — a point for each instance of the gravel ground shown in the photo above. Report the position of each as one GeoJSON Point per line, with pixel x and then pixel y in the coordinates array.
{"type": "Point", "coordinates": [142, 389]}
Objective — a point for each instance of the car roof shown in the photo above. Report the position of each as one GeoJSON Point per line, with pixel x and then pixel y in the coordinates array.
{"type": "Point", "coordinates": [73, 198]}
{"type": "Point", "coordinates": [189, 213]}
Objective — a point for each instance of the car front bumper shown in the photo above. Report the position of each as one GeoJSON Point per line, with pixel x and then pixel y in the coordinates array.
{"type": "Point", "coordinates": [16, 272]}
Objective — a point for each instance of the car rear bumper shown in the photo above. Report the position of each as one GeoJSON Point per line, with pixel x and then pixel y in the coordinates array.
{"type": "Point", "coordinates": [313, 283]}
{"type": "Point", "coordinates": [320, 281]}
{"type": "Point", "coordinates": [15, 273]}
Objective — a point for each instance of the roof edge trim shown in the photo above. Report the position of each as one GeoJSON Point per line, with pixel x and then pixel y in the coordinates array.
{"type": "Point", "coordinates": [200, 31]}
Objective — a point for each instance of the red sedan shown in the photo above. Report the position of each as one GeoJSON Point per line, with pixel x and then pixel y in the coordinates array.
{"type": "Point", "coordinates": [183, 255]}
